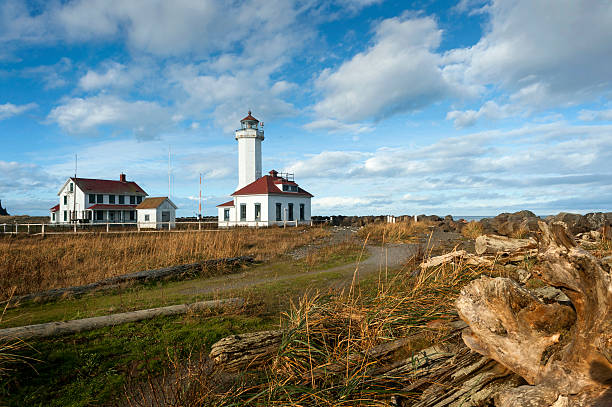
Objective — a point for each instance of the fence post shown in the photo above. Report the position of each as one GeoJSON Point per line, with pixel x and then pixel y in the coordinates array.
{"type": "Point", "coordinates": [28, 228]}
{"type": "Point", "coordinates": [169, 224]}
{"type": "Point", "coordinates": [4, 226]}
{"type": "Point", "coordinates": [199, 225]}
{"type": "Point", "coordinates": [74, 227]}
{"type": "Point", "coordinates": [138, 226]}
{"type": "Point", "coordinates": [43, 230]}
{"type": "Point", "coordinates": [107, 227]}
{"type": "Point", "coordinates": [16, 225]}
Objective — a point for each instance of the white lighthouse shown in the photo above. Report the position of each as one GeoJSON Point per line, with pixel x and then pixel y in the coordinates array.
{"type": "Point", "coordinates": [249, 138]}
{"type": "Point", "coordinates": [272, 199]}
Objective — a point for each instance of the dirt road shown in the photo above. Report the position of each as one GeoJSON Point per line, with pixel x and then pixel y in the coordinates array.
{"type": "Point", "coordinates": [376, 259]}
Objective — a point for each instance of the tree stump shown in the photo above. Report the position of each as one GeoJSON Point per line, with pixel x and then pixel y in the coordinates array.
{"type": "Point", "coordinates": [564, 353]}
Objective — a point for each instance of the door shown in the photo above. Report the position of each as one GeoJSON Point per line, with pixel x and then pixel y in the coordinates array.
{"type": "Point", "coordinates": [165, 216]}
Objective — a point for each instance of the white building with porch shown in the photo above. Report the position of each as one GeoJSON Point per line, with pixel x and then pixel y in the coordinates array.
{"type": "Point", "coordinates": [272, 199]}
{"type": "Point", "coordinates": [86, 200]}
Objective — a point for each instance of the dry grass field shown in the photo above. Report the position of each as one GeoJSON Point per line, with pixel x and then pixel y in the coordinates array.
{"type": "Point", "coordinates": [400, 232]}
{"type": "Point", "coordinates": [32, 263]}
{"type": "Point", "coordinates": [323, 359]}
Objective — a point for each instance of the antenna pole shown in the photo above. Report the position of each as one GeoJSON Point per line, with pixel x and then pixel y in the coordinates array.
{"type": "Point", "coordinates": [168, 171]}
{"type": "Point", "coordinates": [74, 190]}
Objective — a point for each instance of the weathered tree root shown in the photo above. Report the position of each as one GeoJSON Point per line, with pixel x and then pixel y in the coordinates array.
{"type": "Point", "coordinates": [564, 353]}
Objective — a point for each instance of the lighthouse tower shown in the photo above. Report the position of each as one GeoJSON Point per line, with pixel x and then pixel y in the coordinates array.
{"type": "Point", "coordinates": [249, 138]}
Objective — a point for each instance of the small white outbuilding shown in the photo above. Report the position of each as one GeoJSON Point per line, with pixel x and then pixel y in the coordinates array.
{"type": "Point", "coordinates": [156, 213]}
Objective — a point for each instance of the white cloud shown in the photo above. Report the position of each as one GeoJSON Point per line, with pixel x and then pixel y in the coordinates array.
{"type": "Point", "coordinates": [543, 57]}
{"type": "Point", "coordinates": [336, 126]}
{"type": "Point", "coordinates": [144, 119]}
{"type": "Point", "coordinates": [400, 72]}
{"type": "Point", "coordinates": [230, 95]}
{"type": "Point", "coordinates": [343, 203]}
{"type": "Point", "coordinates": [157, 27]}
{"type": "Point", "coordinates": [489, 110]}
{"type": "Point", "coordinates": [23, 178]}
{"type": "Point", "coordinates": [115, 75]}
{"type": "Point", "coordinates": [327, 164]}
{"type": "Point", "coordinates": [592, 115]}
{"type": "Point", "coordinates": [8, 109]}
{"type": "Point", "coordinates": [355, 5]}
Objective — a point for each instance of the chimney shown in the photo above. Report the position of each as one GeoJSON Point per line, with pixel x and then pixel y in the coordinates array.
{"type": "Point", "coordinates": [273, 173]}
{"type": "Point", "coordinates": [122, 177]}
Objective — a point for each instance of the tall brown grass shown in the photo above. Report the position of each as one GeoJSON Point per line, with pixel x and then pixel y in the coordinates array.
{"type": "Point", "coordinates": [30, 264]}
{"type": "Point", "coordinates": [472, 230]}
{"type": "Point", "coordinates": [400, 232]}
{"type": "Point", "coordinates": [327, 356]}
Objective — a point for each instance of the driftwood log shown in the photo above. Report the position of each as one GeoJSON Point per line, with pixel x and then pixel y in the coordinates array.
{"type": "Point", "coordinates": [564, 353]}
{"type": "Point", "coordinates": [86, 324]}
{"type": "Point", "coordinates": [456, 256]}
{"type": "Point", "coordinates": [495, 245]}
{"type": "Point", "coordinates": [237, 352]}
{"type": "Point", "coordinates": [182, 271]}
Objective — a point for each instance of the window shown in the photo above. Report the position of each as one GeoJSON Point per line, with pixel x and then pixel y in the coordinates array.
{"type": "Point", "coordinates": [53, 216]}
{"type": "Point", "coordinates": [121, 200]}
{"type": "Point", "coordinates": [165, 216]}
{"type": "Point", "coordinates": [226, 214]}
{"type": "Point", "coordinates": [111, 199]}
{"type": "Point", "coordinates": [132, 215]}
{"type": "Point", "coordinates": [92, 198]}
{"type": "Point", "coordinates": [242, 211]}
{"type": "Point", "coordinates": [100, 198]}
{"type": "Point", "coordinates": [65, 199]}
{"type": "Point", "coordinates": [65, 216]}
{"type": "Point", "coordinates": [71, 187]}
{"type": "Point", "coordinates": [132, 200]}
{"type": "Point", "coordinates": [290, 211]}
{"type": "Point", "coordinates": [138, 199]}
{"type": "Point", "coordinates": [99, 215]}
{"type": "Point", "coordinates": [257, 211]}
{"type": "Point", "coordinates": [147, 217]}
{"type": "Point", "coordinates": [302, 211]}
{"type": "Point", "coordinates": [290, 188]}
{"type": "Point", "coordinates": [279, 212]}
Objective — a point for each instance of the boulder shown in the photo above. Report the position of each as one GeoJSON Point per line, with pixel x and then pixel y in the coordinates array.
{"type": "Point", "coordinates": [511, 224]}
{"type": "Point", "coordinates": [577, 223]}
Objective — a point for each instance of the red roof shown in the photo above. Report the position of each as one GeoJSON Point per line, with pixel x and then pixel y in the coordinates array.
{"type": "Point", "coordinates": [266, 186]}
{"type": "Point", "coordinates": [105, 186]}
{"type": "Point", "coordinates": [249, 117]}
{"type": "Point", "coordinates": [228, 203]}
{"type": "Point", "coordinates": [112, 207]}
{"type": "Point", "coordinates": [55, 208]}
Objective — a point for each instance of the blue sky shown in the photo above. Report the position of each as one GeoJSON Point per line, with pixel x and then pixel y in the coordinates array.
{"type": "Point", "coordinates": [462, 107]}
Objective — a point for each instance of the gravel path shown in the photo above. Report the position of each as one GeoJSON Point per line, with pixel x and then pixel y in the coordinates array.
{"type": "Point", "coordinates": [379, 259]}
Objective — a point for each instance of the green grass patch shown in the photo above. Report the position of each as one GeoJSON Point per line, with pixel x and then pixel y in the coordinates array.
{"type": "Point", "coordinates": [91, 368]}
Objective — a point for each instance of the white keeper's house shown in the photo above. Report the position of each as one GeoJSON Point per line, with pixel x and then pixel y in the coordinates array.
{"type": "Point", "coordinates": [272, 199]}
{"type": "Point", "coordinates": [87, 200]}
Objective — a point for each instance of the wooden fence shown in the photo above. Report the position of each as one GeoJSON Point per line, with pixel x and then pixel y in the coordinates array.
{"type": "Point", "coordinates": [131, 227]}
